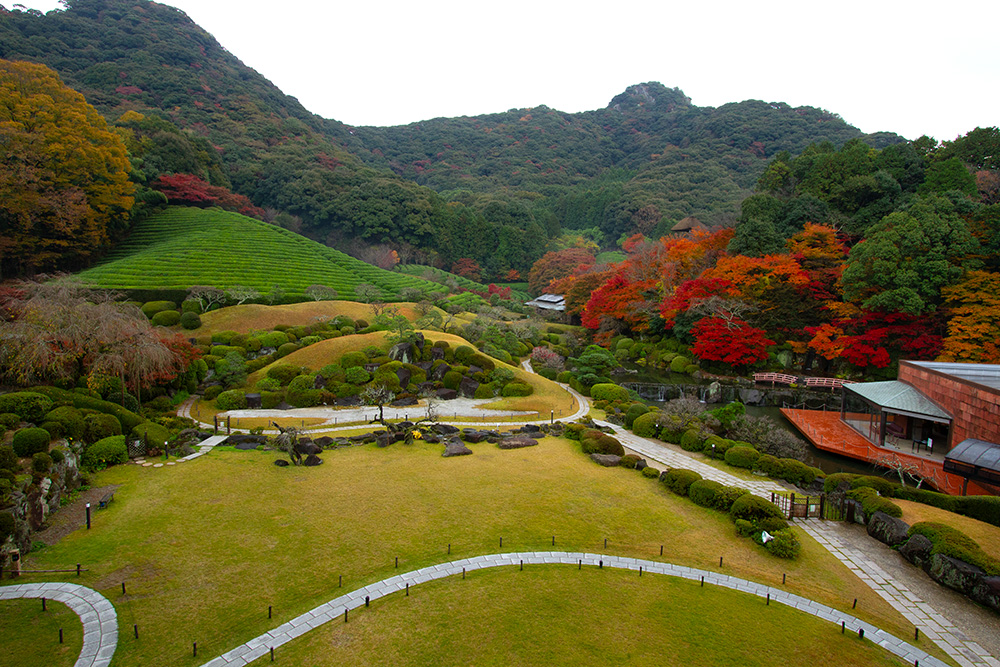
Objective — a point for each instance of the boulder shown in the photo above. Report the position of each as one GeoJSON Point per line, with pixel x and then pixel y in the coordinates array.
{"type": "Point", "coordinates": [517, 442]}
{"type": "Point", "coordinates": [751, 397]}
{"type": "Point", "coordinates": [473, 369]}
{"type": "Point", "coordinates": [438, 372]}
{"type": "Point", "coordinates": [362, 439]}
{"type": "Point", "coordinates": [284, 406]}
{"type": "Point", "coordinates": [886, 529]}
{"type": "Point", "coordinates": [437, 353]}
{"type": "Point", "coordinates": [714, 393]}
{"type": "Point", "coordinates": [382, 439]}
{"type": "Point", "coordinates": [446, 394]}
{"type": "Point", "coordinates": [456, 447]}
{"type": "Point", "coordinates": [306, 447]}
{"type": "Point", "coordinates": [312, 460]}
{"type": "Point", "coordinates": [493, 436]}
{"type": "Point", "coordinates": [987, 592]}
{"type": "Point", "coordinates": [324, 441]}
{"type": "Point", "coordinates": [244, 446]}
{"type": "Point", "coordinates": [403, 375]}
{"type": "Point", "coordinates": [281, 463]}
{"type": "Point", "coordinates": [955, 574]}
{"type": "Point", "coordinates": [445, 429]}
{"type": "Point", "coordinates": [404, 402]}
{"type": "Point", "coordinates": [470, 435]}
{"type": "Point", "coordinates": [348, 401]}
{"type": "Point", "coordinates": [318, 383]}
{"type": "Point", "coordinates": [404, 352]}
{"type": "Point", "coordinates": [606, 460]}
{"type": "Point", "coordinates": [641, 464]}
{"type": "Point", "coordinates": [467, 387]}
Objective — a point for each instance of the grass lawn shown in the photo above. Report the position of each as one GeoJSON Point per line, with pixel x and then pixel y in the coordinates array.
{"type": "Point", "coordinates": [987, 535]}
{"type": "Point", "coordinates": [29, 636]}
{"type": "Point", "coordinates": [556, 615]}
{"type": "Point", "coordinates": [205, 547]}
{"type": "Point", "coordinates": [257, 317]}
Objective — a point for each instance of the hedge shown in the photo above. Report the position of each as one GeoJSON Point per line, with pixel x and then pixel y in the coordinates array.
{"type": "Point", "coordinates": [680, 480]}
{"type": "Point", "coordinates": [30, 406]}
{"type": "Point", "coordinates": [984, 508]}
{"type": "Point", "coordinates": [129, 420]}
{"type": "Point", "coordinates": [608, 392]}
{"type": "Point", "coordinates": [754, 509]}
{"type": "Point", "coordinates": [28, 441]}
{"type": "Point", "coordinates": [952, 542]}
{"type": "Point", "coordinates": [107, 452]}
{"type": "Point", "coordinates": [872, 502]}
{"type": "Point", "coordinates": [742, 457]}
{"type": "Point", "coordinates": [704, 491]}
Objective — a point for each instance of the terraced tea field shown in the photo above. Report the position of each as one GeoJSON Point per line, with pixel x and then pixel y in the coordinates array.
{"type": "Point", "coordinates": [184, 246]}
{"type": "Point", "coordinates": [439, 275]}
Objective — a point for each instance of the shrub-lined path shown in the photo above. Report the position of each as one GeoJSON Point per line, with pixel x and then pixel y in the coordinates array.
{"type": "Point", "coordinates": [335, 609]}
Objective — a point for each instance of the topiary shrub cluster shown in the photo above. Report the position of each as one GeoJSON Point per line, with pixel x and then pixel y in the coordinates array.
{"type": "Point", "coordinates": [103, 453]}
{"type": "Point", "coordinates": [790, 470]}
{"type": "Point", "coordinates": [190, 320]}
{"type": "Point", "coordinates": [30, 406]}
{"type": "Point", "coordinates": [647, 425]}
{"type": "Point", "coordinates": [742, 457]}
{"type": "Point", "coordinates": [608, 392]}
{"type": "Point", "coordinates": [704, 491]}
{"type": "Point", "coordinates": [785, 544]}
{"type": "Point", "coordinates": [754, 509]}
{"type": "Point", "coordinates": [516, 389]}
{"type": "Point", "coordinates": [234, 399]}
{"type": "Point", "coordinates": [70, 419]}
{"type": "Point", "coordinates": [41, 462]}
{"type": "Point", "coordinates": [872, 502]}
{"type": "Point", "coordinates": [97, 426]}
{"type": "Point", "coordinates": [692, 440]}
{"type": "Point", "coordinates": [167, 318]}
{"type": "Point", "coordinates": [952, 542]}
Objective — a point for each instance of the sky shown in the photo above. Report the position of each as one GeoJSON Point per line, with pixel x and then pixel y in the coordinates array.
{"type": "Point", "coordinates": [912, 67]}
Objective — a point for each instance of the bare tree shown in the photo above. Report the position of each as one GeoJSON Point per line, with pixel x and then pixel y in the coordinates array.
{"type": "Point", "coordinates": [903, 469]}
{"type": "Point", "coordinates": [373, 296]}
{"type": "Point", "coordinates": [240, 294]}
{"type": "Point", "coordinates": [286, 440]}
{"type": "Point", "coordinates": [59, 330]}
{"type": "Point", "coordinates": [321, 293]}
{"type": "Point", "coordinates": [275, 295]}
{"type": "Point", "coordinates": [729, 311]}
{"type": "Point", "coordinates": [378, 395]}
{"type": "Point", "coordinates": [206, 296]}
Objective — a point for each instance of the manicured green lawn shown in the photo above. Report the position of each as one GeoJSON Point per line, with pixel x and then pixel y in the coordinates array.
{"type": "Point", "coordinates": [206, 546]}
{"type": "Point", "coordinates": [29, 636]}
{"type": "Point", "coordinates": [556, 615]}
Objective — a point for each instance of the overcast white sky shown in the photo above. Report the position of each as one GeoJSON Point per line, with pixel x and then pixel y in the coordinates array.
{"type": "Point", "coordinates": [913, 67]}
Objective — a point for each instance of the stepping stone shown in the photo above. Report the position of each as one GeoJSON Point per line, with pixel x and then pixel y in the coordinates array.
{"type": "Point", "coordinates": [171, 464]}
{"type": "Point", "coordinates": [157, 465]}
{"type": "Point", "coordinates": [147, 465]}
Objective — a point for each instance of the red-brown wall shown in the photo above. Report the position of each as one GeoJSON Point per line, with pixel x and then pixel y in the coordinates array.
{"type": "Point", "coordinates": [975, 408]}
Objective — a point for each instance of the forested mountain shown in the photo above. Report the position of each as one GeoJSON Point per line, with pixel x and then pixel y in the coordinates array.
{"type": "Point", "coordinates": [493, 188]}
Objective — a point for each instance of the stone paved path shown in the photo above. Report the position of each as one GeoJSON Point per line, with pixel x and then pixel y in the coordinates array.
{"type": "Point", "coordinates": [930, 623]}
{"type": "Point", "coordinates": [334, 609]}
{"type": "Point", "coordinates": [100, 622]}
{"type": "Point", "coordinates": [651, 449]}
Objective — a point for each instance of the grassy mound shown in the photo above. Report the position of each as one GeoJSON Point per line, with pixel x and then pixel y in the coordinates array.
{"type": "Point", "coordinates": [256, 317]}
{"type": "Point", "coordinates": [183, 246]}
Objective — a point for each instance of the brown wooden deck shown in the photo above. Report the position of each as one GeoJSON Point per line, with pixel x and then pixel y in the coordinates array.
{"type": "Point", "coordinates": [827, 432]}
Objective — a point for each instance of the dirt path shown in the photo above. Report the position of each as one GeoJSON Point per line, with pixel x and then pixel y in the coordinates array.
{"type": "Point", "coordinates": [72, 516]}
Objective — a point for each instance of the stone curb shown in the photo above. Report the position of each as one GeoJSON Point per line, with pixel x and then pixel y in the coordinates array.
{"type": "Point", "coordinates": [97, 614]}
{"type": "Point", "coordinates": [261, 645]}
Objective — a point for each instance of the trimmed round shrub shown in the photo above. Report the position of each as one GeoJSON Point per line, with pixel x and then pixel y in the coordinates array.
{"type": "Point", "coordinates": [703, 492]}
{"type": "Point", "coordinates": [353, 359]}
{"type": "Point", "coordinates": [70, 418]}
{"type": "Point", "coordinates": [302, 392]}
{"type": "Point", "coordinates": [485, 390]}
{"type": "Point", "coordinates": [883, 486]}
{"type": "Point", "coordinates": [772, 524]}
{"type": "Point", "coordinates": [754, 509]}
{"type": "Point", "coordinates": [634, 411]}
{"type": "Point", "coordinates": [28, 405]}
{"type": "Point", "coordinates": [679, 480]}
{"type": "Point", "coordinates": [728, 495]}
{"type": "Point", "coordinates": [28, 441]}
{"type": "Point", "coordinates": [268, 384]}
{"type": "Point", "coordinates": [212, 392]}
{"type": "Point", "coordinates": [234, 399]}
{"type": "Point", "coordinates": [97, 426]}
{"type": "Point", "coordinates": [283, 373]}
{"type": "Point", "coordinates": [606, 391]}
{"type": "Point", "coordinates": [358, 376]}
{"type": "Point", "coordinates": [452, 379]}
{"type": "Point", "coordinates": [463, 353]}
{"type": "Point", "coordinates": [767, 464]}
{"type": "Point", "coordinates": [629, 461]}
{"type": "Point", "coordinates": [167, 318]}
{"type": "Point", "coordinates": [564, 377]}
{"type": "Point", "coordinates": [273, 339]}
{"type": "Point", "coordinates": [57, 455]}
{"type": "Point", "coordinates": [784, 545]}
{"type": "Point", "coordinates": [9, 420]}
{"type": "Point", "coordinates": [286, 349]}
{"type": "Point", "coordinates": [55, 429]}
{"type": "Point", "coordinates": [269, 400]}
{"type": "Point", "coordinates": [650, 472]}
{"type": "Point", "coordinates": [517, 389]}
{"type": "Point", "coordinates": [836, 479]}
{"type": "Point", "coordinates": [41, 462]}
{"type": "Point", "coordinates": [679, 364]}
{"type": "Point", "coordinates": [593, 441]}
{"type": "Point", "coordinates": [191, 306]}
{"type": "Point", "coordinates": [332, 373]}
{"type": "Point", "coordinates": [107, 452]}
{"type": "Point", "coordinates": [646, 425]}
{"type": "Point", "coordinates": [152, 433]}
{"type": "Point", "coordinates": [151, 308]}
{"type": "Point", "coordinates": [190, 320]}
{"type": "Point", "coordinates": [691, 441]}
{"type": "Point", "coordinates": [742, 457]}
{"type": "Point", "coordinates": [744, 528]}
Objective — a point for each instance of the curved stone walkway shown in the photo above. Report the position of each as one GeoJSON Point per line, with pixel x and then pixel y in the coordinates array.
{"type": "Point", "coordinates": [334, 609]}
{"type": "Point", "coordinates": [100, 621]}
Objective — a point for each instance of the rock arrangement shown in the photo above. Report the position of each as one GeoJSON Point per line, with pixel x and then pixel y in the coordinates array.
{"type": "Point", "coordinates": [968, 579]}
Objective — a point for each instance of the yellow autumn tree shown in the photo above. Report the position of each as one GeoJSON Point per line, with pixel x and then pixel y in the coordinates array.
{"type": "Point", "coordinates": [64, 176]}
{"type": "Point", "coordinates": [974, 327]}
